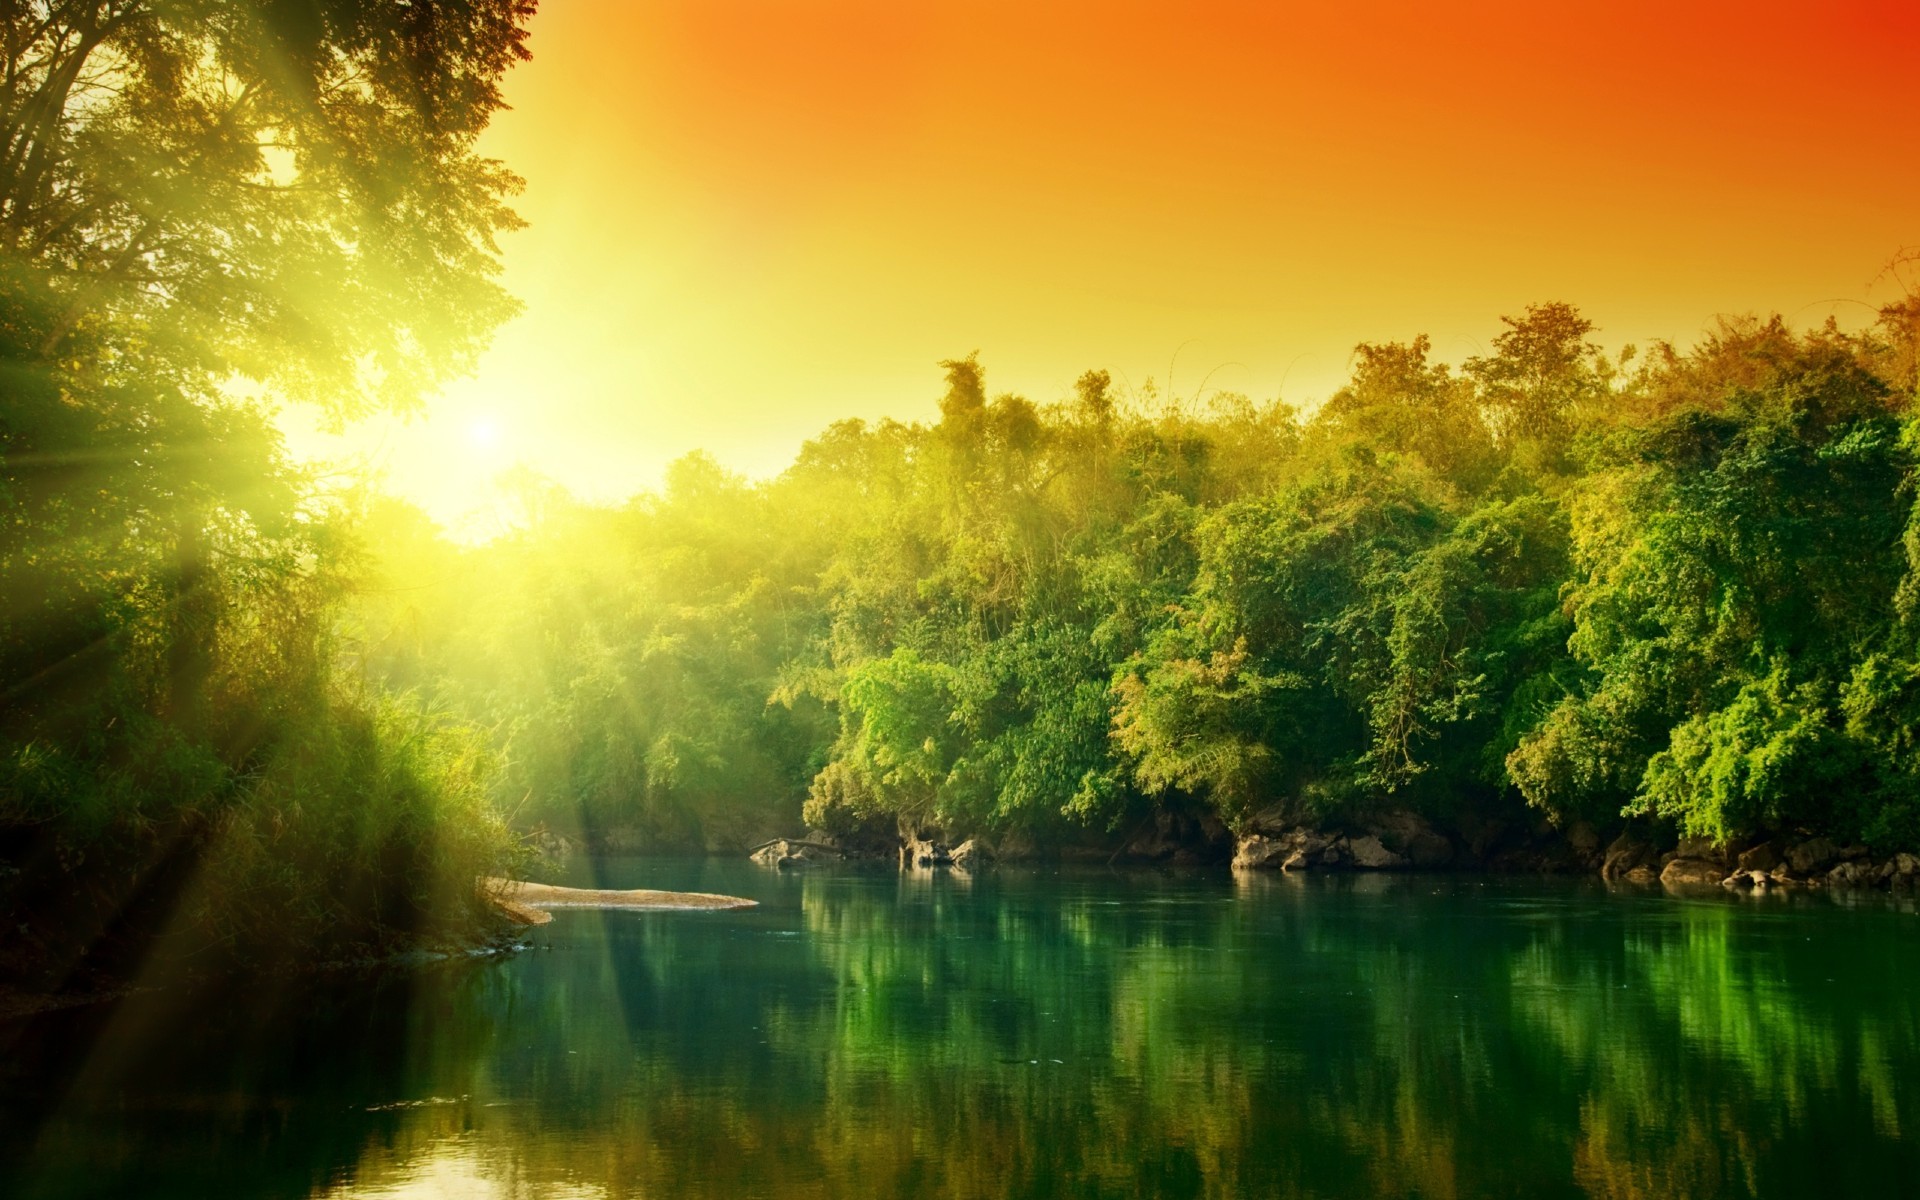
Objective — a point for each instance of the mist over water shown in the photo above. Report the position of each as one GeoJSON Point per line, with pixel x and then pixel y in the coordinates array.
{"type": "Point", "coordinates": [1026, 1033]}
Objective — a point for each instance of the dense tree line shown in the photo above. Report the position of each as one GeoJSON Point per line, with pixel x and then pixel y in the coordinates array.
{"type": "Point", "coordinates": [1677, 585]}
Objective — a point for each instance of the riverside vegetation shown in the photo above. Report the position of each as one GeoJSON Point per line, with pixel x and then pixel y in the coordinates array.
{"type": "Point", "coordinates": [244, 709]}
{"type": "Point", "coordinates": [1504, 614]}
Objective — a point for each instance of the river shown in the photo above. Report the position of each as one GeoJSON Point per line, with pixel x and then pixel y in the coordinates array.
{"type": "Point", "coordinates": [1031, 1033]}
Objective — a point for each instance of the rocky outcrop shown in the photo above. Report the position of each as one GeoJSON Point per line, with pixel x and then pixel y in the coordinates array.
{"type": "Point", "coordinates": [917, 851]}
{"type": "Point", "coordinates": [1295, 850]}
{"type": "Point", "coordinates": [1704, 849]}
{"type": "Point", "coordinates": [1813, 856]}
{"type": "Point", "coordinates": [788, 853]}
{"type": "Point", "coordinates": [970, 855]}
{"type": "Point", "coordinates": [1688, 872]}
{"type": "Point", "coordinates": [1584, 839]}
{"type": "Point", "coordinates": [1628, 852]}
{"type": "Point", "coordinates": [1852, 875]}
{"type": "Point", "coordinates": [1176, 837]}
{"type": "Point", "coordinates": [1408, 836]}
{"type": "Point", "coordinates": [1368, 854]}
{"type": "Point", "coordinates": [1302, 849]}
{"type": "Point", "coordinates": [1763, 857]}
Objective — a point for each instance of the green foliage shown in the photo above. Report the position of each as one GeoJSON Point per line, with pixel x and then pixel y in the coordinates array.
{"type": "Point", "coordinates": [1682, 592]}
{"type": "Point", "coordinates": [208, 210]}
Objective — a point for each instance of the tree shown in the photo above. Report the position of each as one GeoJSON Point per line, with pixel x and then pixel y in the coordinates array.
{"type": "Point", "coordinates": [204, 204]}
{"type": "Point", "coordinates": [1542, 374]}
{"type": "Point", "coordinates": [209, 208]}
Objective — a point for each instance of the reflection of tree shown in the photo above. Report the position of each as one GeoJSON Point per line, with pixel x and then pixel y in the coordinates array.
{"type": "Point", "coordinates": [868, 1034]}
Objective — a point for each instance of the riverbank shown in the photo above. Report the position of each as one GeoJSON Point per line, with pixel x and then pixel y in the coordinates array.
{"type": "Point", "coordinates": [1398, 840]}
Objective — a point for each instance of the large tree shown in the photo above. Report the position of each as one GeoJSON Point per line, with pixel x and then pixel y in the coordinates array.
{"type": "Point", "coordinates": [207, 207]}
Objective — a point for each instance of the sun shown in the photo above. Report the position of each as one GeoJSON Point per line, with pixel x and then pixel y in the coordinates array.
{"type": "Point", "coordinates": [484, 434]}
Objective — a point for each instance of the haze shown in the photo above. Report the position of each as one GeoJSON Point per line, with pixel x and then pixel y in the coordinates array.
{"type": "Point", "coordinates": [750, 219]}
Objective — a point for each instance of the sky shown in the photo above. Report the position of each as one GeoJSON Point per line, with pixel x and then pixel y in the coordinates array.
{"type": "Point", "coordinates": [751, 218]}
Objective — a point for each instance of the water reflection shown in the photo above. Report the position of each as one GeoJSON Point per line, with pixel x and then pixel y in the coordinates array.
{"type": "Point", "coordinates": [1030, 1034]}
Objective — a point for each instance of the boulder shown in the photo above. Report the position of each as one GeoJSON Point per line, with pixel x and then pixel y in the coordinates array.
{"type": "Point", "coordinates": [1584, 839]}
{"type": "Point", "coordinates": [1275, 820]}
{"type": "Point", "coordinates": [1852, 875]}
{"type": "Point", "coordinates": [1640, 874]}
{"type": "Point", "coordinates": [1812, 856]}
{"type": "Point", "coordinates": [1625, 853]}
{"type": "Point", "coordinates": [970, 855]}
{"type": "Point", "coordinates": [1483, 838]}
{"type": "Point", "coordinates": [1738, 880]}
{"type": "Point", "coordinates": [1257, 852]}
{"type": "Point", "coordinates": [1409, 835]}
{"type": "Point", "coordinates": [1682, 872]}
{"type": "Point", "coordinates": [1429, 850]}
{"type": "Point", "coordinates": [1906, 864]}
{"type": "Point", "coordinates": [924, 852]}
{"type": "Point", "coordinates": [1764, 857]}
{"type": "Point", "coordinates": [783, 854]}
{"type": "Point", "coordinates": [1177, 836]}
{"type": "Point", "coordinates": [1369, 854]}
{"type": "Point", "coordinates": [1293, 850]}
{"type": "Point", "coordinates": [1705, 850]}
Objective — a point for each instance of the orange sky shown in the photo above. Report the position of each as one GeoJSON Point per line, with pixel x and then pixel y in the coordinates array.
{"type": "Point", "coordinates": [752, 217]}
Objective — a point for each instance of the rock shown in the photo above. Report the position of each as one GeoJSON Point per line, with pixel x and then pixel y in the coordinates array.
{"type": "Point", "coordinates": [1157, 840]}
{"type": "Point", "coordinates": [924, 852]}
{"type": "Point", "coordinates": [1290, 851]}
{"type": "Point", "coordinates": [1852, 874]}
{"type": "Point", "coordinates": [1256, 851]}
{"type": "Point", "coordinates": [1429, 850]}
{"type": "Point", "coordinates": [1739, 879]}
{"type": "Point", "coordinates": [1409, 835]}
{"type": "Point", "coordinates": [1703, 849]}
{"type": "Point", "coordinates": [1682, 872]}
{"type": "Point", "coordinates": [970, 855]}
{"type": "Point", "coordinates": [1781, 874]}
{"type": "Point", "coordinates": [1906, 864]}
{"type": "Point", "coordinates": [1764, 857]}
{"type": "Point", "coordinates": [1584, 839]}
{"type": "Point", "coordinates": [1627, 852]}
{"type": "Point", "coordinates": [1170, 835]}
{"type": "Point", "coordinates": [1368, 854]}
{"type": "Point", "coordinates": [1812, 856]}
{"type": "Point", "coordinates": [1275, 820]}
{"type": "Point", "coordinates": [783, 854]}
{"type": "Point", "coordinates": [1484, 838]}
{"type": "Point", "coordinates": [1641, 874]}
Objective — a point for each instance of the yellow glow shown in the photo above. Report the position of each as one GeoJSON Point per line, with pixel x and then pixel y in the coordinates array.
{"type": "Point", "coordinates": [750, 219]}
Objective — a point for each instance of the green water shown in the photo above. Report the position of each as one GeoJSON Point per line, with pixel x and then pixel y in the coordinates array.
{"type": "Point", "coordinates": [864, 1033]}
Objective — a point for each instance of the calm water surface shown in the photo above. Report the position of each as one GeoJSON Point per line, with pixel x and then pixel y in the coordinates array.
{"type": "Point", "coordinates": [1087, 1033]}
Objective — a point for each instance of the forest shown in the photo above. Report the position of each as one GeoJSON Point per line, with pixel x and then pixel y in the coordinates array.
{"type": "Point", "coordinates": [248, 708]}
{"type": "Point", "coordinates": [1674, 586]}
